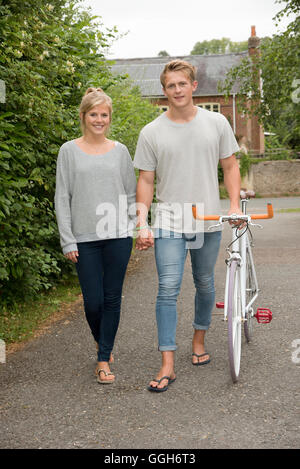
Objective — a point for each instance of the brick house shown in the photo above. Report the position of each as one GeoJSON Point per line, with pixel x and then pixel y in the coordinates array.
{"type": "Point", "coordinates": [211, 69]}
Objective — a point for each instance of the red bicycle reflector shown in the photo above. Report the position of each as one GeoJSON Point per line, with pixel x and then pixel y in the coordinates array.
{"type": "Point", "coordinates": [263, 315]}
{"type": "Point", "coordinates": [220, 305]}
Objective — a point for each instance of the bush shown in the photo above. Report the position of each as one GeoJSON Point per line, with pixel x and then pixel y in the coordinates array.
{"type": "Point", "coordinates": [245, 163]}
{"type": "Point", "coordinates": [49, 54]}
{"type": "Point", "coordinates": [274, 149]}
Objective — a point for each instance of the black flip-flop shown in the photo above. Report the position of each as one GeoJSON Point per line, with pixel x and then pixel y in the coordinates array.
{"type": "Point", "coordinates": [158, 381]}
{"type": "Point", "coordinates": [198, 356]}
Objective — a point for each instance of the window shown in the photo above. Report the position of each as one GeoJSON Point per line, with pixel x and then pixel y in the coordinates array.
{"type": "Point", "coordinates": [215, 107]}
{"type": "Point", "coordinates": [163, 108]}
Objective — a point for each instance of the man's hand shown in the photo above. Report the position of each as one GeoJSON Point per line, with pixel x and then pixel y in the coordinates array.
{"type": "Point", "coordinates": [237, 223]}
{"type": "Point", "coordinates": [144, 197]}
{"type": "Point", "coordinates": [144, 239]}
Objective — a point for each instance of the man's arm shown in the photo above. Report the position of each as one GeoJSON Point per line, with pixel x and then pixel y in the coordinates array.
{"type": "Point", "coordinates": [232, 181]}
{"type": "Point", "coordinates": [144, 197]}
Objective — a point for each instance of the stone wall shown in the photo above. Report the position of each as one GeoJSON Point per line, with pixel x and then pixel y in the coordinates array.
{"type": "Point", "coordinates": [274, 178]}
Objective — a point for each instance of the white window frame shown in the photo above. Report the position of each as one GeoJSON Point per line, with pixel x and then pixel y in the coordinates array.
{"type": "Point", "coordinates": [207, 106]}
{"type": "Point", "coordinates": [210, 106]}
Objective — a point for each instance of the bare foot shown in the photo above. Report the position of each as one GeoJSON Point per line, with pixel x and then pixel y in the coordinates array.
{"type": "Point", "coordinates": [105, 376]}
{"type": "Point", "coordinates": [111, 358]}
{"type": "Point", "coordinates": [167, 369]}
{"type": "Point", "coordinates": [164, 382]}
{"type": "Point", "coordinates": [199, 348]}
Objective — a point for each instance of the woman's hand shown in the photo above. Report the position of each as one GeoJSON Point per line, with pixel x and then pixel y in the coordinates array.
{"type": "Point", "coordinates": [72, 256]}
{"type": "Point", "coordinates": [144, 239]}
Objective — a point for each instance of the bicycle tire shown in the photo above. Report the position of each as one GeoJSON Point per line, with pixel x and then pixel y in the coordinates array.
{"type": "Point", "coordinates": [250, 290]}
{"type": "Point", "coordinates": [234, 317]}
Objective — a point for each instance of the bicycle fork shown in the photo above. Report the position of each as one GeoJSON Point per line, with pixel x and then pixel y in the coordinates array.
{"type": "Point", "coordinates": [234, 255]}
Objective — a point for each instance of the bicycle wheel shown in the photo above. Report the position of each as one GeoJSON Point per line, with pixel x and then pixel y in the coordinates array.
{"type": "Point", "coordinates": [250, 291]}
{"type": "Point", "coordinates": [234, 317]}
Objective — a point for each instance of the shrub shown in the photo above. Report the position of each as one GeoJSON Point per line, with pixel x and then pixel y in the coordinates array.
{"type": "Point", "coordinates": [49, 53]}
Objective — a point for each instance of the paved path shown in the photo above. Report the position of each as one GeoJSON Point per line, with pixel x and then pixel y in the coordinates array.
{"type": "Point", "coordinates": [50, 397]}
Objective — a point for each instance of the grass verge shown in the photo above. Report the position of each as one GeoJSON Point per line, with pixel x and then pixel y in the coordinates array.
{"type": "Point", "coordinates": [20, 323]}
{"type": "Point", "coordinates": [28, 319]}
{"type": "Point", "coordinates": [288, 210]}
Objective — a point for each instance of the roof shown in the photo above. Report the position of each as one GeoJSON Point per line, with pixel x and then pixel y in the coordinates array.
{"type": "Point", "coordinates": [211, 69]}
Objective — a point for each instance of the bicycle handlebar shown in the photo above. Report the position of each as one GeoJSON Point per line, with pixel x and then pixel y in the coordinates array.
{"type": "Point", "coordinates": [254, 216]}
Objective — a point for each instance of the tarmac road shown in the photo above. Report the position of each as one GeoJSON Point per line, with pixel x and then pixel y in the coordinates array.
{"type": "Point", "coordinates": [50, 397]}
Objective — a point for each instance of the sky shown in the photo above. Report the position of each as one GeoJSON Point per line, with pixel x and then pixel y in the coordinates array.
{"type": "Point", "coordinates": [176, 25]}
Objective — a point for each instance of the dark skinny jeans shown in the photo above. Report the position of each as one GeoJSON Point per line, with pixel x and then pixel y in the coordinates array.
{"type": "Point", "coordinates": [101, 269]}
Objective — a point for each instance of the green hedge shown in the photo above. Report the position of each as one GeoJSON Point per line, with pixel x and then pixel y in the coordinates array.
{"type": "Point", "coordinates": [49, 54]}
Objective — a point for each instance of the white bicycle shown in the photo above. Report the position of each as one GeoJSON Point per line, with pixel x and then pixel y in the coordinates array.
{"type": "Point", "coordinates": [241, 287]}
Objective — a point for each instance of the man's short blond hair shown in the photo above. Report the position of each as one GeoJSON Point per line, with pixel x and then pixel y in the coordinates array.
{"type": "Point", "coordinates": [178, 66]}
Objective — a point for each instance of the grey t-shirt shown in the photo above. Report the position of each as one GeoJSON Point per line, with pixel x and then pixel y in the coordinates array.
{"type": "Point", "coordinates": [185, 158]}
{"type": "Point", "coordinates": [93, 195]}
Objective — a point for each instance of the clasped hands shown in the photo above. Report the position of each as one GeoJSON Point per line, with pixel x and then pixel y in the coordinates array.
{"type": "Point", "coordinates": [144, 239]}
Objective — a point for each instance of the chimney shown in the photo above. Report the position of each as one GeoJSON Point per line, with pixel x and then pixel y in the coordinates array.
{"type": "Point", "coordinates": [253, 41]}
{"type": "Point", "coordinates": [256, 130]}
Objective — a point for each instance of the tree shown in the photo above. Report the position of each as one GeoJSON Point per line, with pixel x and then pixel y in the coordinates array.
{"type": "Point", "coordinates": [47, 51]}
{"type": "Point", "coordinates": [218, 46]}
{"type": "Point", "coordinates": [277, 103]}
{"type": "Point", "coordinates": [163, 53]}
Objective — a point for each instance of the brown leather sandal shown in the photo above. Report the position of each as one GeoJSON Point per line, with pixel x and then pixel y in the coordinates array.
{"type": "Point", "coordinates": [106, 373]}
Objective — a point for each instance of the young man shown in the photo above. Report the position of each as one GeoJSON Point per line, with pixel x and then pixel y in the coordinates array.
{"type": "Point", "coordinates": [182, 148]}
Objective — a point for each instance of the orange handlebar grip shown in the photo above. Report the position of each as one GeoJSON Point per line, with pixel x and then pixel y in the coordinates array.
{"type": "Point", "coordinates": [255, 216]}
{"type": "Point", "coordinates": [205, 217]}
{"type": "Point", "coordinates": [262, 216]}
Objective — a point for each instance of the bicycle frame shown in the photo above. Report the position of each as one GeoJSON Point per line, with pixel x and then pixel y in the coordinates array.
{"type": "Point", "coordinates": [241, 288]}
{"type": "Point", "coordinates": [239, 249]}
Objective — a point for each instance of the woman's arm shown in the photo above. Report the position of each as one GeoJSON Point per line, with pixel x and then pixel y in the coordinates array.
{"type": "Point", "coordinates": [63, 207]}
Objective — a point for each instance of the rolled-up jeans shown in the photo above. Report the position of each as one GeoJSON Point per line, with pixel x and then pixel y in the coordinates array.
{"type": "Point", "coordinates": [170, 254]}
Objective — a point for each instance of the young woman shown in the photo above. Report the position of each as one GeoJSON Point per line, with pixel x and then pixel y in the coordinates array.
{"type": "Point", "coordinates": [95, 186]}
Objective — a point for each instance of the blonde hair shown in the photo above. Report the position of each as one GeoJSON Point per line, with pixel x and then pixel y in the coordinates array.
{"type": "Point", "coordinates": [176, 66]}
{"type": "Point", "coordinates": [91, 98]}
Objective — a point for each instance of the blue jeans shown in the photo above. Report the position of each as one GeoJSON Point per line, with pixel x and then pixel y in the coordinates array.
{"type": "Point", "coordinates": [170, 255]}
{"type": "Point", "coordinates": [101, 269]}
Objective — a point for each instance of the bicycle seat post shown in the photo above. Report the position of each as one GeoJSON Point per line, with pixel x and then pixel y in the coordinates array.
{"type": "Point", "coordinates": [244, 205]}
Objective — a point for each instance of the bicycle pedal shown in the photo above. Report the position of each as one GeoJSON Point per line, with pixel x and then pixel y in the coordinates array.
{"type": "Point", "coordinates": [220, 305]}
{"type": "Point", "coordinates": [263, 315]}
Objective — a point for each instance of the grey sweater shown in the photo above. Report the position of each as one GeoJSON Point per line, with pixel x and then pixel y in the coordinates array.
{"type": "Point", "coordinates": [94, 194]}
